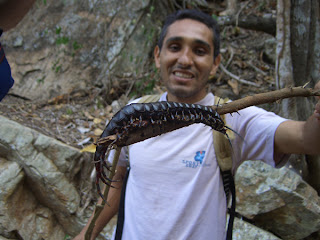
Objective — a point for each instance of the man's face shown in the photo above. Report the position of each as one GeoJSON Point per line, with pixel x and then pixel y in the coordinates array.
{"type": "Point", "coordinates": [186, 60]}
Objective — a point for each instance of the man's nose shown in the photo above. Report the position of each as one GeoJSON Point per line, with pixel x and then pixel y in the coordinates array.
{"type": "Point", "coordinates": [185, 58]}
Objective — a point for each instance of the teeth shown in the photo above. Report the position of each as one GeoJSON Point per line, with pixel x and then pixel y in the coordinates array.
{"type": "Point", "coordinates": [183, 75]}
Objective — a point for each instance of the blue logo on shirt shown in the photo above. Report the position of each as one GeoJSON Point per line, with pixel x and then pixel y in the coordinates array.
{"type": "Point", "coordinates": [198, 158]}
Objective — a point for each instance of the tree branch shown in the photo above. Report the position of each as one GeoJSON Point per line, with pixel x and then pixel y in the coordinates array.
{"type": "Point", "coordinates": [267, 97]}
{"type": "Point", "coordinates": [243, 81]}
{"type": "Point", "coordinates": [252, 22]}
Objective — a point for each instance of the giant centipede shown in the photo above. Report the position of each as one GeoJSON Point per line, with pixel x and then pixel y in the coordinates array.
{"type": "Point", "coordinates": [139, 121]}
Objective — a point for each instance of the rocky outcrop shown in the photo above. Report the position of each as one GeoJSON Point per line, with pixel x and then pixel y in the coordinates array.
{"type": "Point", "coordinates": [38, 198]}
{"type": "Point", "coordinates": [277, 200]}
{"type": "Point", "coordinates": [62, 46]}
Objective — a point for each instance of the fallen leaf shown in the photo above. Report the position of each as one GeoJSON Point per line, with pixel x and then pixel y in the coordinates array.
{"type": "Point", "coordinates": [90, 148]}
{"type": "Point", "coordinates": [88, 115]}
{"type": "Point", "coordinates": [234, 85]}
{"type": "Point", "coordinates": [97, 120]}
{"type": "Point", "coordinates": [97, 132]}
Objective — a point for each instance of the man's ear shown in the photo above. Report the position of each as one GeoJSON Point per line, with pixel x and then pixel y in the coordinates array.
{"type": "Point", "coordinates": [215, 65]}
{"type": "Point", "coordinates": [156, 53]}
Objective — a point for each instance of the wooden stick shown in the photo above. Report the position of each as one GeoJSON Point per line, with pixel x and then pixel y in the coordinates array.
{"type": "Point", "coordinates": [99, 207]}
{"type": "Point", "coordinates": [267, 97]}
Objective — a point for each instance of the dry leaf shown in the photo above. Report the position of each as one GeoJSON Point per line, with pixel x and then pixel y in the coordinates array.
{"type": "Point", "coordinates": [97, 132]}
{"type": "Point", "coordinates": [234, 85]}
{"type": "Point", "coordinates": [97, 120]}
{"type": "Point", "coordinates": [88, 115]}
{"type": "Point", "coordinates": [90, 148]}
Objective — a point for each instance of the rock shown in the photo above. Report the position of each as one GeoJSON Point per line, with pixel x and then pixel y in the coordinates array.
{"type": "Point", "coordinates": [21, 215]}
{"type": "Point", "coordinates": [36, 172]}
{"type": "Point", "coordinates": [270, 50]}
{"type": "Point", "coordinates": [62, 46]}
{"type": "Point", "coordinates": [245, 231]}
{"type": "Point", "coordinates": [277, 200]}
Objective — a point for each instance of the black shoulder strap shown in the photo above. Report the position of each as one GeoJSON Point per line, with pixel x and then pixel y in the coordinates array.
{"type": "Point", "coordinates": [120, 220]}
{"type": "Point", "coordinates": [229, 186]}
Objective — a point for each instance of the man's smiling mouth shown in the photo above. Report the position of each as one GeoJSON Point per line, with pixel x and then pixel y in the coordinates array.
{"type": "Point", "coordinates": [183, 75]}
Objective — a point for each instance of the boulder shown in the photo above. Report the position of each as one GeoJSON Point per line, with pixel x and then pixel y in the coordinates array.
{"type": "Point", "coordinates": [37, 190]}
{"type": "Point", "coordinates": [278, 200]}
{"type": "Point", "coordinates": [64, 46]}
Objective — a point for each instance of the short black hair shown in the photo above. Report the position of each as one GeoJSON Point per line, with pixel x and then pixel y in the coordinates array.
{"type": "Point", "coordinates": [197, 15]}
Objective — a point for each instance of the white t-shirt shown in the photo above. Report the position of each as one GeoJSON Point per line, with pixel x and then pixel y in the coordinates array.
{"type": "Point", "coordinates": [175, 191]}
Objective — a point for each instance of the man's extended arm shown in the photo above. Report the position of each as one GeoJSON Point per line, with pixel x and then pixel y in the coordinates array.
{"type": "Point", "coordinates": [109, 211]}
{"type": "Point", "coordinates": [300, 137]}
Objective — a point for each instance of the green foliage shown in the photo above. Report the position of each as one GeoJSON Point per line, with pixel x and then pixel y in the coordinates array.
{"type": "Point", "coordinates": [62, 40]}
{"type": "Point", "coordinates": [69, 111]}
{"type": "Point", "coordinates": [215, 17]}
{"type": "Point", "coordinates": [56, 66]}
{"type": "Point", "coordinates": [65, 46]}
{"type": "Point", "coordinates": [146, 84]}
{"type": "Point", "coordinates": [58, 30]}
{"type": "Point", "coordinates": [67, 237]}
{"type": "Point", "coordinates": [41, 80]}
{"type": "Point", "coordinates": [262, 6]}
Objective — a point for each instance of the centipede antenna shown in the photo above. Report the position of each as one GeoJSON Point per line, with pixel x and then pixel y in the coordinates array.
{"type": "Point", "coordinates": [229, 140]}
{"type": "Point", "coordinates": [234, 132]}
{"type": "Point", "coordinates": [218, 102]}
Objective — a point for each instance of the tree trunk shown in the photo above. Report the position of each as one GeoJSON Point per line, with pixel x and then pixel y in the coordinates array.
{"type": "Point", "coordinates": [298, 62]}
{"type": "Point", "coordinates": [305, 47]}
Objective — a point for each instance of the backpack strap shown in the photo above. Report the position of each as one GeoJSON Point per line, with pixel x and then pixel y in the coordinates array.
{"type": "Point", "coordinates": [149, 98]}
{"type": "Point", "coordinates": [120, 220]}
{"type": "Point", "coordinates": [223, 151]}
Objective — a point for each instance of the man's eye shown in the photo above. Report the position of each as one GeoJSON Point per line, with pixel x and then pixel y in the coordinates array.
{"type": "Point", "coordinates": [200, 51]}
{"type": "Point", "coordinates": [174, 48]}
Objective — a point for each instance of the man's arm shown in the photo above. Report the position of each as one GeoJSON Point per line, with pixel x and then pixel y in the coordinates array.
{"type": "Point", "coordinates": [299, 137]}
{"type": "Point", "coordinates": [12, 11]}
{"type": "Point", "coordinates": [108, 211]}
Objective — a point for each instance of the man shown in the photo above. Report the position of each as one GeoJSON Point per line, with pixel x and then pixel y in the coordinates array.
{"type": "Point", "coordinates": [11, 13]}
{"type": "Point", "coordinates": [166, 196]}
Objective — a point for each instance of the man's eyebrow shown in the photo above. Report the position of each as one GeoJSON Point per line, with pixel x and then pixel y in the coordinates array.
{"type": "Point", "coordinates": [173, 39]}
{"type": "Point", "coordinates": [201, 42]}
{"type": "Point", "coordinates": [197, 41]}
